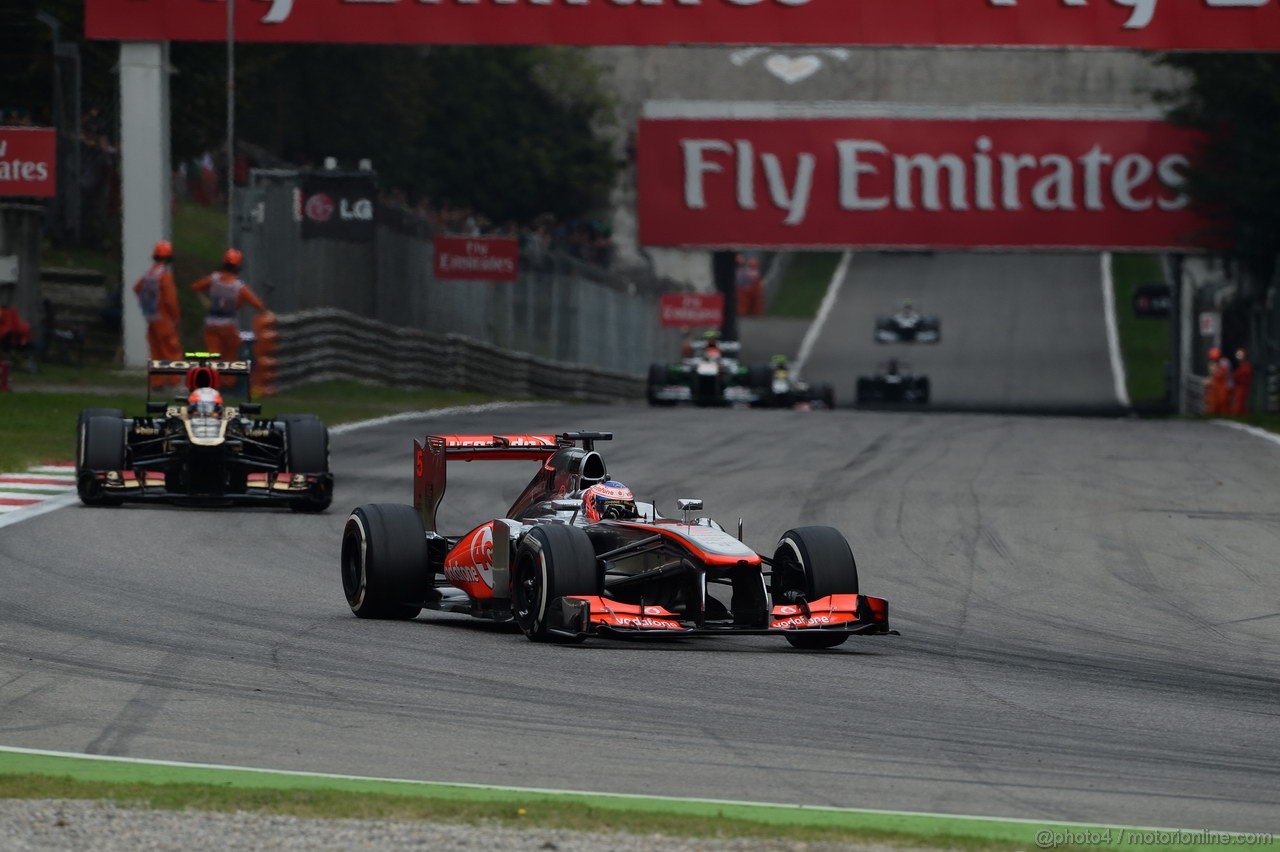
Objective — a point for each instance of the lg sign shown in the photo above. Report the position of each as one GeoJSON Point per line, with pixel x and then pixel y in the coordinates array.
{"type": "Point", "coordinates": [891, 182]}
{"type": "Point", "coordinates": [320, 208]}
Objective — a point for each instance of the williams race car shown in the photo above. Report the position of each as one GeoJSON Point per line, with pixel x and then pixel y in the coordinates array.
{"type": "Point", "coordinates": [908, 326]}
{"type": "Point", "coordinates": [194, 449]}
{"type": "Point", "coordinates": [576, 556]}
{"type": "Point", "coordinates": [893, 385]}
{"type": "Point", "coordinates": [780, 388]}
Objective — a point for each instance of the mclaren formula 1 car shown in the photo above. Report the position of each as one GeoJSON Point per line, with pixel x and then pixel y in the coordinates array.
{"type": "Point", "coordinates": [191, 448]}
{"type": "Point", "coordinates": [893, 384]}
{"type": "Point", "coordinates": [908, 326]}
{"type": "Point", "coordinates": [563, 573]}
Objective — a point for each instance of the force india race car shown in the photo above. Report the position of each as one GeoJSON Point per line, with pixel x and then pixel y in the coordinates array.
{"type": "Point", "coordinates": [893, 384]}
{"type": "Point", "coordinates": [712, 376]}
{"type": "Point", "coordinates": [562, 577]}
{"type": "Point", "coordinates": [193, 449]}
{"type": "Point", "coordinates": [907, 326]}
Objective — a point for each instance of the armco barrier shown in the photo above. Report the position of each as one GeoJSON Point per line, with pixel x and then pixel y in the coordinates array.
{"type": "Point", "coordinates": [327, 343]}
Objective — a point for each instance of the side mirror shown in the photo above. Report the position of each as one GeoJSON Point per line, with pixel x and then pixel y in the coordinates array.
{"type": "Point", "coordinates": [251, 408]}
{"type": "Point", "coordinates": [685, 504]}
{"type": "Point", "coordinates": [157, 407]}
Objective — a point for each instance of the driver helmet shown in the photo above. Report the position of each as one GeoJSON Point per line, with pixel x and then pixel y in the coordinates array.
{"type": "Point", "coordinates": [609, 499]}
{"type": "Point", "coordinates": [205, 402]}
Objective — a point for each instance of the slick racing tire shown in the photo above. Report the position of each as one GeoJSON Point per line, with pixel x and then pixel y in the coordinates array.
{"type": "Point", "coordinates": [86, 414]}
{"type": "Point", "coordinates": [657, 379]}
{"type": "Point", "coordinates": [307, 443]}
{"type": "Point", "coordinates": [924, 391]}
{"type": "Point", "coordinates": [824, 395]}
{"type": "Point", "coordinates": [813, 562]}
{"type": "Point", "coordinates": [864, 391]}
{"type": "Point", "coordinates": [103, 440]}
{"type": "Point", "coordinates": [552, 561]}
{"type": "Point", "coordinates": [384, 561]}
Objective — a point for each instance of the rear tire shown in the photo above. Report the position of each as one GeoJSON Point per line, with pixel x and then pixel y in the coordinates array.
{"type": "Point", "coordinates": [103, 442]}
{"type": "Point", "coordinates": [812, 563]}
{"type": "Point", "coordinates": [552, 561]}
{"type": "Point", "coordinates": [864, 391]}
{"type": "Point", "coordinates": [657, 379]}
{"type": "Point", "coordinates": [825, 395]}
{"type": "Point", "coordinates": [384, 562]}
{"type": "Point", "coordinates": [307, 443]}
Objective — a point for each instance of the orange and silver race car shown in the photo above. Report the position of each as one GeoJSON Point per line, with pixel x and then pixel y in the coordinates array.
{"type": "Point", "coordinates": [564, 568]}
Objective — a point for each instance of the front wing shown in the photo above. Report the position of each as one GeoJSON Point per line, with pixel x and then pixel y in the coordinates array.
{"type": "Point", "coordinates": [586, 616]}
{"type": "Point", "coordinates": [271, 489]}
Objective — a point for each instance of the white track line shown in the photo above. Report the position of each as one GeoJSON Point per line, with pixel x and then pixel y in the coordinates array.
{"type": "Point", "coordinates": [1252, 430]}
{"type": "Point", "coordinates": [828, 301]}
{"type": "Point", "coordinates": [26, 513]}
{"type": "Point", "coordinates": [559, 792]}
{"type": "Point", "coordinates": [1113, 334]}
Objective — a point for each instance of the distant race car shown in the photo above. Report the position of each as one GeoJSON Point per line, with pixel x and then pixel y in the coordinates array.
{"type": "Point", "coordinates": [193, 449]}
{"type": "Point", "coordinates": [908, 326]}
{"type": "Point", "coordinates": [893, 384]}
{"type": "Point", "coordinates": [563, 566]}
{"type": "Point", "coordinates": [779, 387]}
{"type": "Point", "coordinates": [712, 376]}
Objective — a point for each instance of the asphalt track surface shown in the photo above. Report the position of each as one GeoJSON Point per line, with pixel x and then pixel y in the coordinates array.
{"type": "Point", "coordinates": [1020, 332]}
{"type": "Point", "coordinates": [1089, 608]}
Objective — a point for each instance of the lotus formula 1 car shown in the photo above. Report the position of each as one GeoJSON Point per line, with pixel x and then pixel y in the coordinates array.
{"type": "Point", "coordinates": [893, 385]}
{"type": "Point", "coordinates": [908, 326]}
{"type": "Point", "coordinates": [563, 573]}
{"type": "Point", "coordinates": [194, 449]}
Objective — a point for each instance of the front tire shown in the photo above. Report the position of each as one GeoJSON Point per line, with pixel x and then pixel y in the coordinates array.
{"type": "Point", "coordinates": [102, 440]}
{"type": "Point", "coordinates": [307, 442]}
{"type": "Point", "coordinates": [812, 563]}
{"type": "Point", "coordinates": [384, 562]}
{"type": "Point", "coordinates": [552, 561]}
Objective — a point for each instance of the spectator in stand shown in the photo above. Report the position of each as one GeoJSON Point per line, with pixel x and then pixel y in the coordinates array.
{"type": "Point", "coordinates": [225, 294]}
{"type": "Point", "coordinates": [158, 299]}
{"type": "Point", "coordinates": [1242, 377]}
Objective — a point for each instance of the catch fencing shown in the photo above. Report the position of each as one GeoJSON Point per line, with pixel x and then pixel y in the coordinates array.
{"type": "Point", "coordinates": [559, 310]}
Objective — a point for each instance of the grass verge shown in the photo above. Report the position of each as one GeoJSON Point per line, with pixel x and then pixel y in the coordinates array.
{"type": "Point", "coordinates": [1144, 341]}
{"type": "Point", "coordinates": [180, 786]}
{"type": "Point", "coordinates": [801, 291]}
{"type": "Point", "coordinates": [36, 427]}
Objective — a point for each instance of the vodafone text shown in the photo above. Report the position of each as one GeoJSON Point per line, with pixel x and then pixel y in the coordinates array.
{"type": "Point", "coordinates": [983, 179]}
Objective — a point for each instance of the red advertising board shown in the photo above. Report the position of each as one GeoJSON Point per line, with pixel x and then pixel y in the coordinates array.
{"type": "Point", "coordinates": [893, 182]}
{"type": "Point", "coordinates": [477, 258]}
{"type": "Point", "coordinates": [28, 158]}
{"type": "Point", "coordinates": [1138, 24]}
{"type": "Point", "coordinates": [692, 310]}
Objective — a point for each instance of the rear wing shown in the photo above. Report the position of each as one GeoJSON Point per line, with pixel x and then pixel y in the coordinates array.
{"type": "Point", "coordinates": [431, 456]}
{"type": "Point", "coordinates": [201, 369]}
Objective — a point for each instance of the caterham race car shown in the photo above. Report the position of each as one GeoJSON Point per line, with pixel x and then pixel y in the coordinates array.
{"type": "Point", "coordinates": [577, 556]}
{"type": "Point", "coordinates": [192, 448]}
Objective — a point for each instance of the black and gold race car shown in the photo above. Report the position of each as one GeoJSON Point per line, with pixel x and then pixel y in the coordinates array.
{"type": "Point", "coordinates": [192, 448]}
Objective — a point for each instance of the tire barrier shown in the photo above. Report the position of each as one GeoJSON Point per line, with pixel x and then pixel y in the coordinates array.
{"type": "Point", "coordinates": [326, 344]}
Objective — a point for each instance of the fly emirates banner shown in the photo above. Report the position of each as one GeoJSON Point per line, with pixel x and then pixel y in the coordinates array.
{"type": "Point", "coordinates": [1136, 24]}
{"type": "Point", "coordinates": [892, 182]}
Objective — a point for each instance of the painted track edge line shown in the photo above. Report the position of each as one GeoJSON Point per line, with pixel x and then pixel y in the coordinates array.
{"type": "Point", "coordinates": [1252, 430]}
{"type": "Point", "coordinates": [619, 797]}
{"type": "Point", "coordinates": [26, 513]}
{"type": "Point", "coordinates": [824, 309]}
{"type": "Point", "coordinates": [1118, 376]}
